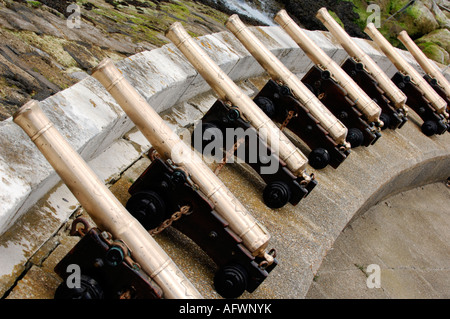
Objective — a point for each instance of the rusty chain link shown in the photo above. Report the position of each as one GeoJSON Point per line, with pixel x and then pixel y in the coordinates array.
{"type": "Point", "coordinates": [290, 115]}
{"type": "Point", "coordinates": [228, 154]}
{"type": "Point", "coordinates": [184, 210]}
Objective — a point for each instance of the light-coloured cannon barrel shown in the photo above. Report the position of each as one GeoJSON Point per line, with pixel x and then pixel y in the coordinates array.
{"type": "Point", "coordinates": [168, 144]}
{"type": "Point", "coordinates": [103, 207]}
{"type": "Point", "coordinates": [227, 90]}
{"type": "Point", "coordinates": [363, 102]}
{"type": "Point", "coordinates": [279, 72]}
{"type": "Point", "coordinates": [404, 67]}
{"type": "Point", "coordinates": [397, 97]}
{"type": "Point", "coordinates": [427, 66]}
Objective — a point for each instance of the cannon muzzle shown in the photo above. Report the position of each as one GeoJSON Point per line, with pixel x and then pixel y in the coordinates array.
{"type": "Point", "coordinates": [392, 91]}
{"type": "Point", "coordinates": [404, 67]}
{"type": "Point", "coordinates": [425, 63]}
{"type": "Point", "coordinates": [227, 90]}
{"type": "Point", "coordinates": [170, 146]}
{"type": "Point", "coordinates": [103, 207]}
{"type": "Point", "coordinates": [280, 73]}
{"type": "Point", "coordinates": [363, 102]}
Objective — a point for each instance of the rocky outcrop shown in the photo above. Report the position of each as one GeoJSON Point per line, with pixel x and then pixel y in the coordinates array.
{"type": "Point", "coordinates": [436, 44]}
{"type": "Point", "coordinates": [418, 18]}
{"type": "Point", "coordinates": [41, 53]}
{"type": "Point", "coordinates": [304, 11]}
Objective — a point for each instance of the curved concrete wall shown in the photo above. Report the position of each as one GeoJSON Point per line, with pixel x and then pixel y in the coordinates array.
{"type": "Point", "coordinates": [30, 191]}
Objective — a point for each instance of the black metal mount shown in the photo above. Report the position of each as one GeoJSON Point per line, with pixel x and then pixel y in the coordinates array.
{"type": "Point", "coordinates": [225, 126]}
{"type": "Point", "coordinates": [393, 118]}
{"type": "Point", "coordinates": [105, 267]}
{"type": "Point", "coordinates": [277, 102]}
{"type": "Point", "coordinates": [336, 99]}
{"type": "Point", "coordinates": [161, 191]}
{"type": "Point", "coordinates": [433, 123]}
{"type": "Point", "coordinates": [434, 84]}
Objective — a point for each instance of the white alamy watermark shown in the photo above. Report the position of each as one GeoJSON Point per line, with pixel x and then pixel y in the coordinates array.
{"type": "Point", "coordinates": [237, 145]}
{"type": "Point", "coordinates": [74, 20]}
{"type": "Point", "coordinates": [373, 272]}
{"type": "Point", "coordinates": [375, 17]}
{"type": "Point", "coordinates": [74, 279]}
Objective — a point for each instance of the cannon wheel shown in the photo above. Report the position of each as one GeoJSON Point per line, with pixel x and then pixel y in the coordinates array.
{"type": "Point", "coordinates": [89, 289]}
{"type": "Point", "coordinates": [386, 120]}
{"type": "Point", "coordinates": [148, 208]}
{"type": "Point", "coordinates": [355, 137]}
{"type": "Point", "coordinates": [319, 158]}
{"type": "Point", "coordinates": [266, 105]}
{"type": "Point", "coordinates": [429, 128]}
{"type": "Point", "coordinates": [276, 194]}
{"type": "Point", "coordinates": [231, 281]}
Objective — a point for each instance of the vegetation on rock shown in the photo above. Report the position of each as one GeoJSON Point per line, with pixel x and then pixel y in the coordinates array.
{"type": "Point", "coordinates": [40, 54]}
{"type": "Point", "coordinates": [418, 18]}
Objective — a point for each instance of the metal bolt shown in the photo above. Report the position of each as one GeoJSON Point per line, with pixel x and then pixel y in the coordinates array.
{"type": "Point", "coordinates": [98, 263]}
{"type": "Point", "coordinates": [213, 235]}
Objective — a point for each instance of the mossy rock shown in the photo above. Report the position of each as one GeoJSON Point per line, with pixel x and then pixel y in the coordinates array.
{"type": "Point", "coordinates": [417, 19]}
{"type": "Point", "coordinates": [435, 52]}
{"type": "Point", "coordinates": [440, 37]}
{"type": "Point", "coordinates": [52, 61]}
{"type": "Point", "coordinates": [35, 4]}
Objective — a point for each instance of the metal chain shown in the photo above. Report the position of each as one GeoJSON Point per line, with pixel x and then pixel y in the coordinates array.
{"type": "Point", "coordinates": [290, 115]}
{"type": "Point", "coordinates": [228, 154]}
{"type": "Point", "coordinates": [184, 210]}
{"type": "Point", "coordinates": [153, 154]}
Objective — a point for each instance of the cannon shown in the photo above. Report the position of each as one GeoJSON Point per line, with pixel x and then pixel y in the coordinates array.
{"type": "Point", "coordinates": [433, 75]}
{"type": "Point", "coordinates": [235, 110]}
{"type": "Point", "coordinates": [369, 76]}
{"type": "Point", "coordinates": [106, 268]}
{"type": "Point", "coordinates": [336, 89]}
{"type": "Point", "coordinates": [421, 96]}
{"type": "Point", "coordinates": [178, 189]}
{"type": "Point", "coordinates": [130, 237]}
{"type": "Point", "coordinates": [286, 100]}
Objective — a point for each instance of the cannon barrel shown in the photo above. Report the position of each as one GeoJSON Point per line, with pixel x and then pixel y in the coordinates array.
{"type": "Point", "coordinates": [227, 90]}
{"type": "Point", "coordinates": [170, 146]}
{"type": "Point", "coordinates": [279, 72]}
{"type": "Point", "coordinates": [425, 63]}
{"type": "Point", "coordinates": [404, 67]}
{"type": "Point", "coordinates": [103, 207]}
{"type": "Point", "coordinates": [363, 102]}
{"type": "Point", "coordinates": [392, 91]}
